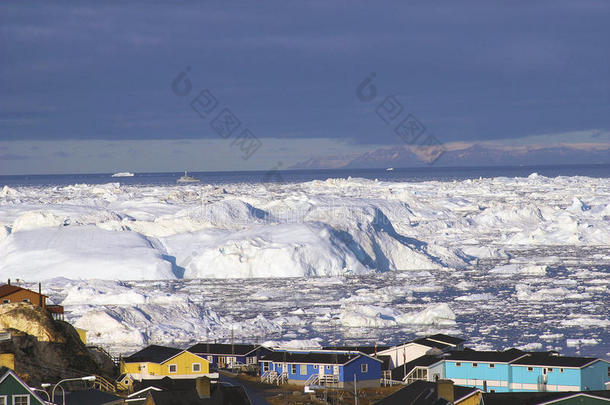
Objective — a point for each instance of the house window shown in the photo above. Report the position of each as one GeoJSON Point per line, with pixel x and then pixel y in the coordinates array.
{"type": "Point", "coordinates": [126, 382]}
{"type": "Point", "coordinates": [492, 391]}
{"type": "Point", "coordinates": [491, 365]}
{"type": "Point", "coordinates": [315, 367]}
{"type": "Point", "coordinates": [364, 368]}
{"type": "Point", "coordinates": [550, 370]}
{"type": "Point", "coordinates": [265, 367]}
{"type": "Point", "coordinates": [210, 358]}
{"type": "Point", "coordinates": [475, 365]}
{"type": "Point", "coordinates": [458, 364]}
{"type": "Point", "coordinates": [6, 301]}
{"type": "Point", "coordinates": [530, 369]}
{"type": "Point", "coordinates": [293, 368]}
{"type": "Point", "coordinates": [26, 300]}
{"type": "Point", "coordinates": [3, 400]}
{"type": "Point", "coordinates": [328, 367]}
{"type": "Point", "coordinates": [196, 367]}
{"type": "Point", "coordinates": [561, 371]}
{"type": "Point", "coordinates": [173, 368]}
{"type": "Point", "coordinates": [21, 400]}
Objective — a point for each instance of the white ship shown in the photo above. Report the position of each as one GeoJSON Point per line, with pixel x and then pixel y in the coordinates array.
{"type": "Point", "coordinates": [187, 179]}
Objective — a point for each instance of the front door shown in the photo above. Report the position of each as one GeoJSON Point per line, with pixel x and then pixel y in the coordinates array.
{"type": "Point", "coordinates": [320, 371]}
{"type": "Point", "coordinates": [336, 370]}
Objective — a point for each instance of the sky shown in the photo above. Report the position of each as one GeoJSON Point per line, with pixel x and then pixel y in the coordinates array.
{"type": "Point", "coordinates": [96, 86]}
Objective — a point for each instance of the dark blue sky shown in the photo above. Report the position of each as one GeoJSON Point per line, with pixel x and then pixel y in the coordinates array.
{"type": "Point", "coordinates": [99, 73]}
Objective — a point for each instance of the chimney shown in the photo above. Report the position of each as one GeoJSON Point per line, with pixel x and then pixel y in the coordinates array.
{"type": "Point", "coordinates": [40, 295]}
{"type": "Point", "coordinates": [444, 390]}
{"type": "Point", "coordinates": [202, 384]}
{"type": "Point", "coordinates": [9, 281]}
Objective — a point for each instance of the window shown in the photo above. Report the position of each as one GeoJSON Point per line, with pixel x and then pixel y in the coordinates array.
{"type": "Point", "coordinates": [561, 370]}
{"type": "Point", "coordinates": [303, 369]}
{"type": "Point", "coordinates": [458, 364]}
{"type": "Point", "coordinates": [328, 367]}
{"type": "Point", "coordinates": [550, 370]}
{"type": "Point", "coordinates": [196, 367]}
{"type": "Point", "coordinates": [475, 365]}
{"type": "Point", "coordinates": [492, 391]}
{"type": "Point", "coordinates": [173, 368]}
{"type": "Point", "coordinates": [6, 301]}
{"type": "Point", "coordinates": [3, 400]}
{"type": "Point", "coordinates": [126, 382]}
{"type": "Point", "coordinates": [315, 366]}
{"type": "Point", "coordinates": [210, 358]}
{"type": "Point", "coordinates": [21, 400]}
{"type": "Point", "coordinates": [530, 369]}
{"type": "Point", "coordinates": [491, 365]}
{"type": "Point", "coordinates": [265, 366]}
{"type": "Point", "coordinates": [26, 300]}
{"type": "Point", "coordinates": [364, 368]}
{"type": "Point", "coordinates": [293, 368]}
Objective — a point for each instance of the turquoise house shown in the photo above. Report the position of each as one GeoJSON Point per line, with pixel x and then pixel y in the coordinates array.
{"type": "Point", "coordinates": [516, 371]}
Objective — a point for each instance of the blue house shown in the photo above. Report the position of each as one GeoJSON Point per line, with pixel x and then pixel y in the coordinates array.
{"type": "Point", "coordinates": [222, 355]}
{"type": "Point", "coordinates": [516, 371]}
{"type": "Point", "coordinates": [558, 373]}
{"type": "Point", "coordinates": [321, 367]}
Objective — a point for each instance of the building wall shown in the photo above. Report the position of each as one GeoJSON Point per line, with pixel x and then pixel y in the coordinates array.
{"type": "Point", "coordinates": [594, 376]}
{"type": "Point", "coordinates": [471, 400]}
{"type": "Point", "coordinates": [435, 369]}
{"type": "Point", "coordinates": [184, 362]}
{"type": "Point", "coordinates": [19, 296]}
{"type": "Point", "coordinates": [347, 372]}
{"type": "Point", "coordinates": [223, 359]}
{"type": "Point", "coordinates": [7, 360]}
{"type": "Point", "coordinates": [497, 377]}
{"type": "Point", "coordinates": [556, 380]}
{"type": "Point", "coordinates": [397, 354]}
{"type": "Point", "coordinates": [82, 334]}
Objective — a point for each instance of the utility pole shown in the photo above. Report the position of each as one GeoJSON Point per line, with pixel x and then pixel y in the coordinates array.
{"type": "Point", "coordinates": [355, 391]}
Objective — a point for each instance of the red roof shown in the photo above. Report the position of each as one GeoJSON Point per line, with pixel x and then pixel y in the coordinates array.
{"type": "Point", "coordinates": [6, 289]}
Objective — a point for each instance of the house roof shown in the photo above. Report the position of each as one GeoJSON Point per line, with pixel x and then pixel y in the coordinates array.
{"type": "Point", "coordinates": [398, 373]}
{"type": "Point", "coordinates": [6, 289]}
{"type": "Point", "coordinates": [153, 354]}
{"type": "Point", "coordinates": [539, 398]}
{"type": "Point", "coordinates": [362, 349]}
{"type": "Point", "coordinates": [451, 340]}
{"type": "Point", "coordinates": [505, 356]}
{"type": "Point", "coordinates": [90, 397]}
{"type": "Point", "coordinates": [313, 357]}
{"type": "Point", "coordinates": [432, 343]}
{"type": "Point", "coordinates": [543, 359]}
{"type": "Point", "coordinates": [423, 393]}
{"type": "Point", "coordinates": [223, 348]}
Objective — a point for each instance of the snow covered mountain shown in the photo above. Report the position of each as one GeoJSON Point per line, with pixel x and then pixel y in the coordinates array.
{"type": "Point", "coordinates": [467, 155]}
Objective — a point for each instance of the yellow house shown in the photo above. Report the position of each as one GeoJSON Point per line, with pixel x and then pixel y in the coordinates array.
{"type": "Point", "coordinates": [156, 362]}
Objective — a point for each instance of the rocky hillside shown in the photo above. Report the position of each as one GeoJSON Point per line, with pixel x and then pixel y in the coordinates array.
{"type": "Point", "coordinates": [47, 350]}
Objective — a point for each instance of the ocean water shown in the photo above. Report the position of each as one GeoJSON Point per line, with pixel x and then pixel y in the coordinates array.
{"type": "Point", "coordinates": [399, 175]}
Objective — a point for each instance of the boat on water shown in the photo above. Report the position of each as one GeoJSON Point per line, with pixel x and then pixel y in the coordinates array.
{"type": "Point", "coordinates": [389, 169]}
{"type": "Point", "coordinates": [187, 179]}
{"type": "Point", "coordinates": [123, 174]}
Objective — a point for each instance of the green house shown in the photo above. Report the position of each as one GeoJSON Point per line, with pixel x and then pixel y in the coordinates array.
{"type": "Point", "coordinates": [13, 391]}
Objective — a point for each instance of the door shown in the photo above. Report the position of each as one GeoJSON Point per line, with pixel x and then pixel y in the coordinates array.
{"type": "Point", "coordinates": [320, 371]}
{"type": "Point", "coordinates": [336, 370]}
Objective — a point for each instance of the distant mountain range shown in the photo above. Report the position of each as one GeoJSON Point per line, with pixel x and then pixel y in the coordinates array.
{"type": "Point", "coordinates": [462, 154]}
